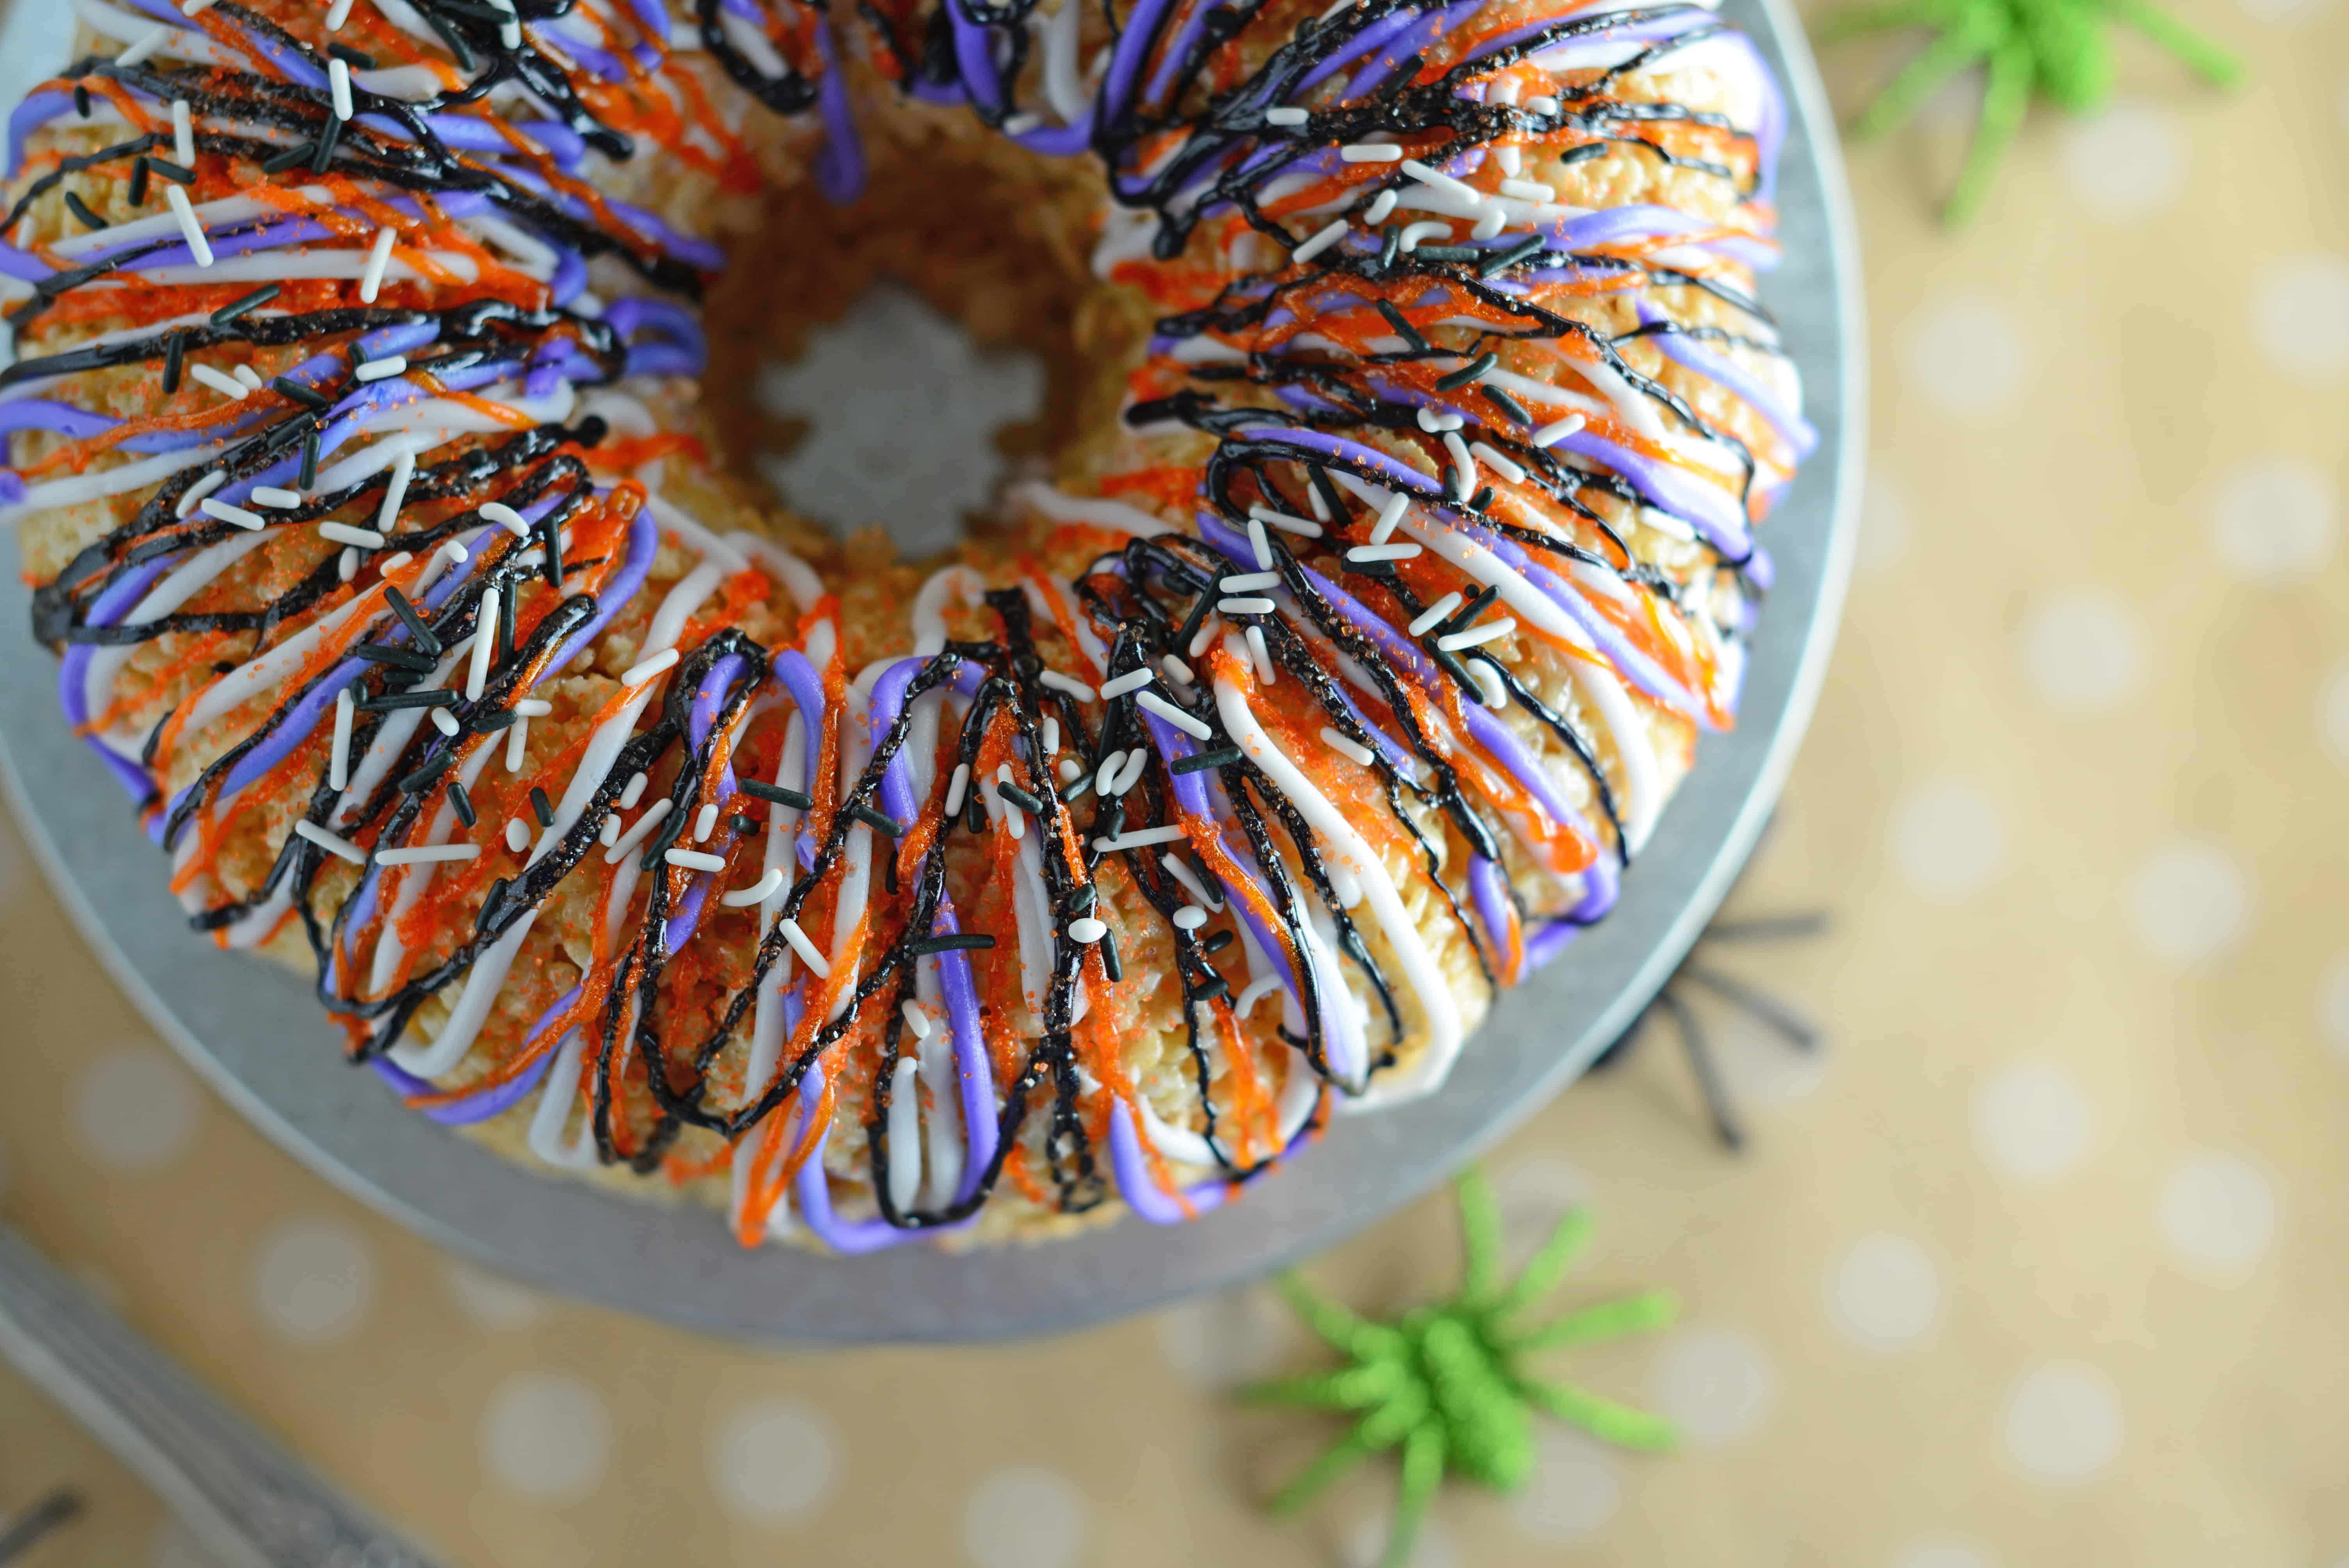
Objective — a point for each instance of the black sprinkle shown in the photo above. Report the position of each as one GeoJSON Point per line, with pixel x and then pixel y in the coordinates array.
{"type": "Point", "coordinates": [951, 942]}
{"type": "Point", "coordinates": [1020, 798]}
{"type": "Point", "coordinates": [974, 815]}
{"type": "Point", "coordinates": [877, 820]}
{"type": "Point", "coordinates": [279, 162]}
{"type": "Point", "coordinates": [462, 802]}
{"type": "Point", "coordinates": [424, 778]}
{"type": "Point", "coordinates": [388, 653]}
{"type": "Point", "coordinates": [1081, 899]}
{"type": "Point", "coordinates": [351, 57]}
{"type": "Point", "coordinates": [177, 173]}
{"type": "Point", "coordinates": [438, 696]}
{"type": "Point", "coordinates": [245, 303]}
{"type": "Point", "coordinates": [81, 209]}
{"type": "Point", "coordinates": [140, 170]}
{"type": "Point", "coordinates": [1111, 964]}
{"type": "Point", "coordinates": [1505, 404]}
{"type": "Point", "coordinates": [1217, 943]}
{"type": "Point", "coordinates": [287, 387]}
{"type": "Point", "coordinates": [742, 824]}
{"type": "Point", "coordinates": [309, 474]}
{"type": "Point", "coordinates": [1468, 612]}
{"type": "Point", "coordinates": [324, 155]}
{"type": "Point", "coordinates": [1404, 329]}
{"type": "Point", "coordinates": [1213, 986]}
{"type": "Point", "coordinates": [81, 101]}
{"type": "Point", "coordinates": [1201, 761]}
{"type": "Point", "coordinates": [492, 900]}
{"type": "Point", "coordinates": [497, 719]}
{"type": "Point", "coordinates": [1502, 261]}
{"type": "Point", "coordinates": [1481, 500]}
{"type": "Point", "coordinates": [541, 807]}
{"type": "Point", "coordinates": [175, 361]}
{"type": "Point", "coordinates": [425, 639]}
{"type": "Point", "coordinates": [1468, 372]}
{"type": "Point", "coordinates": [777, 794]}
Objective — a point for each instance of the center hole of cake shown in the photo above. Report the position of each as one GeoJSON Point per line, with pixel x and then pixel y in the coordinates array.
{"type": "Point", "coordinates": [898, 414]}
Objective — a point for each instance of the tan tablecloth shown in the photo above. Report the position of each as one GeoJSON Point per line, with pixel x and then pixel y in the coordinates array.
{"type": "Point", "coordinates": [2045, 1261]}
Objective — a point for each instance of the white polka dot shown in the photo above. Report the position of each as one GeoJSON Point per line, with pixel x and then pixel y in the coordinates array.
{"type": "Point", "coordinates": [1535, 1191]}
{"type": "Point", "coordinates": [1940, 1552]}
{"type": "Point", "coordinates": [137, 1108]}
{"type": "Point", "coordinates": [2032, 1121]}
{"type": "Point", "coordinates": [2332, 716]}
{"type": "Point", "coordinates": [2332, 1007]}
{"type": "Point", "coordinates": [1888, 524]}
{"type": "Point", "coordinates": [2285, 12]}
{"type": "Point", "coordinates": [2218, 1211]}
{"type": "Point", "coordinates": [2123, 160]}
{"type": "Point", "coordinates": [1968, 355]}
{"type": "Point", "coordinates": [1024, 1516]}
{"type": "Point", "coordinates": [2060, 1424]}
{"type": "Point", "coordinates": [1223, 1340]}
{"type": "Point", "coordinates": [492, 1300]}
{"type": "Point", "coordinates": [777, 1461]}
{"type": "Point", "coordinates": [1574, 1492]}
{"type": "Point", "coordinates": [2189, 901]}
{"type": "Point", "coordinates": [313, 1280]}
{"type": "Point", "coordinates": [1949, 838]}
{"type": "Point", "coordinates": [1364, 1543]}
{"type": "Point", "coordinates": [2081, 650]}
{"type": "Point", "coordinates": [1717, 1384]}
{"type": "Point", "coordinates": [546, 1435]}
{"type": "Point", "coordinates": [2302, 309]}
{"type": "Point", "coordinates": [2272, 520]}
{"type": "Point", "coordinates": [1884, 1294]}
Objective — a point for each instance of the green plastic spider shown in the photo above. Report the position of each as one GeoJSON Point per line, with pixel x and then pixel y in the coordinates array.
{"type": "Point", "coordinates": [1448, 1384]}
{"type": "Point", "coordinates": [2056, 47]}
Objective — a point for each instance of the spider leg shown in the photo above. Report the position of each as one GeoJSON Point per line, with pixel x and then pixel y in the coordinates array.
{"type": "Point", "coordinates": [1342, 1390]}
{"type": "Point", "coordinates": [1334, 1462]}
{"type": "Point", "coordinates": [2221, 68]}
{"type": "Point", "coordinates": [1549, 1262]}
{"type": "Point", "coordinates": [1480, 1237]}
{"type": "Point", "coordinates": [1602, 1418]}
{"type": "Point", "coordinates": [1338, 1328]}
{"type": "Point", "coordinates": [1799, 1031]}
{"type": "Point", "coordinates": [1960, 46]}
{"type": "Point", "coordinates": [1422, 1472]}
{"type": "Point", "coordinates": [1709, 1082]}
{"type": "Point", "coordinates": [1606, 1320]}
{"type": "Point", "coordinates": [2005, 99]}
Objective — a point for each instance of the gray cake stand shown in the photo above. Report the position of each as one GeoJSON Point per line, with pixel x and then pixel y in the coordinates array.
{"type": "Point", "coordinates": [255, 1034]}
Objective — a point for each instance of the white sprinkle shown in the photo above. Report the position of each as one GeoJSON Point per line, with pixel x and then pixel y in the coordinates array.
{"type": "Point", "coordinates": [395, 563]}
{"type": "Point", "coordinates": [444, 721]}
{"type": "Point", "coordinates": [196, 492]}
{"type": "Point", "coordinates": [485, 645]}
{"type": "Point", "coordinates": [1131, 774]}
{"type": "Point", "coordinates": [1176, 670]}
{"type": "Point", "coordinates": [395, 492]}
{"type": "Point", "coordinates": [246, 373]}
{"type": "Point", "coordinates": [381, 369]}
{"type": "Point", "coordinates": [1175, 715]}
{"type": "Point", "coordinates": [1383, 552]}
{"type": "Point", "coordinates": [149, 42]}
{"type": "Point", "coordinates": [346, 565]}
{"type": "Point", "coordinates": [1285, 115]}
{"type": "Point", "coordinates": [1190, 917]}
{"type": "Point", "coordinates": [1313, 499]}
{"type": "Point", "coordinates": [1074, 687]}
{"type": "Point", "coordinates": [1477, 636]}
{"type": "Point", "coordinates": [1462, 461]}
{"type": "Point", "coordinates": [1245, 606]}
{"type": "Point", "coordinates": [517, 836]}
{"type": "Point", "coordinates": [633, 791]}
{"type": "Point", "coordinates": [1494, 220]}
{"type": "Point", "coordinates": [1529, 191]}
{"type": "Point", "coordinates": [1087, 929]}
{"type": "Point", "coordinates": [638, 830]}
{"type": "Point", "coordinates": [1390, 517]}
{"type": "Point", "coordinates": [704, 822]}
{"type": "Point", "coordinates": [428, 854]}
{"type": "Point", "coordinates": [1257, 991]}
{"type": "Point", "coordinates": [517, 742]}
{"type": "Point", "coordinates": [1442, 182]}
{"type": "Point", "coordinates": [236, 514]}
{"type": "Point", "coordinates": [539, 708]}
{"type": "Point", "coordinates": [270, 495]}
{"type": "Point", "coordinates": [1257, 540]}
{"type": "Point", "coordinates": [1425, 229]}
{"type": "Point", "coordinates": [610, 833]}
{"type": "Point", "coordinates": [338, 87]}
{"type": "Point", "coordinates": [226, 385]}
{"type": "Point", "coordinates": [1021, 124]}
{"type": "Point", "coordinates": [1052, 729]}
{"type": "Point", "coordinates": [695, 860]}
{"type": "Point", "coordinates": [957, 787]}
{"type": "Point", "coordinates": [1435, 424]}
{"type": "Point", "coordinates": [458, 553]}
{"type": "Point", "coordinates": [333, 843]}
{"type": "Point", "coordinates": [1433, 616]}
{"type": "Point", "coordinates": [505, 517]}
{"type": "Point", "coordinates": [356, 537]}
{"type": "Point", "coordinates": [1069, 769]}
{"type": "Point", "coordinates": [804, 948]}
{"type": "Point", "coordinates": [1488, 677]}
{"type": "Point", "coordinates": [1499, 462]}
{"type": "Point", "coordinates": [1140, 838]}
{"type": "Point", "coordinates": [194, 7]}
{"type": "Point", "coordinates": [1376, 214]}
{"type": "Point", "coordinates": [1134, 679]}
{"type": "Point", "coordinates": [1106, 774]}
{"type": "Point", "coordinates": [338, 14]}
{"type": "Point", "coordinates": [1182, 873]}
{"type": "Point", "coordinates": [917, 1019]}
{"type": "Point", "coordinates": [1265, 668]}
{"type": "Point", "coordinates": [1369, 152]}
{"type": "Point", "coordinates": [183, 142]}
{"type": "Point", "coordinates": [1346, 746]}
{"type": "Point", "coordinates": [1209, 630]}
{"type": "Point", "coordinates": [1551, 435]}
{"type": "Point", "coordinates": [1285, 523]}
{"type": "Point", "coordinates": [1329, 234]}
{"type": "Point", "coordinates": [644, 670]}
{"type": "Point", "coordinates": [339, 761]}
{"type": "Point", "coordinates": [1247, 581]}
{"type": "Point", "coordinates": [379, 258]}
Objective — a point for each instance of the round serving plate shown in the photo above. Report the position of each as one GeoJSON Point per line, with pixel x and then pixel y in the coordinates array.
{"type": "Point", "coordinates": [256, 1034]}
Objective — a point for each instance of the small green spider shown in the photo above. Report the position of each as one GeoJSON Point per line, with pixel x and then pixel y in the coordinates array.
{"type": "Point", "coordinates": [1448, 1382]}
{"type": "Point", "coordinates": [2058, 48]}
